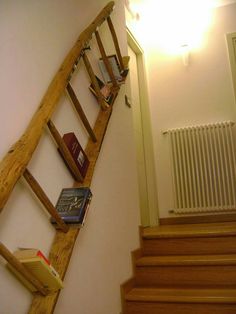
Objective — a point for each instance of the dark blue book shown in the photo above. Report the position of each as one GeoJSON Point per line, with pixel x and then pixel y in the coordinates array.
{"type": "Point", "coordinates": [73, 204]}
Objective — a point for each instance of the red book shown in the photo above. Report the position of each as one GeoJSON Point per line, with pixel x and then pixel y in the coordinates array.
{"type": "Point", "coordinates": [77, 152]}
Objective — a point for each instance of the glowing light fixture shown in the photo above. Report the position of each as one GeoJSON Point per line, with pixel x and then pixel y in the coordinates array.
{"type": "Point", "coordinates": [169, 25]}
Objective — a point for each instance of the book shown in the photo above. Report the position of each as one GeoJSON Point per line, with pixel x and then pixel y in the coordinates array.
{"type": "Point", "coordinates": [23, 253]}
{"type": "Point", "coordinates": [105, 90]}
{"type": "Point", "coordinates": [77, 153]}
{"type": "Point", "coordinates": [115, 68]}
{"type": "Point", "coordinates": [41, 270]}
{"type": "Point", "coordinates": [73, 204]}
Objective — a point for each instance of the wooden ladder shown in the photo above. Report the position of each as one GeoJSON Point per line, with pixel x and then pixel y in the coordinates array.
{"type": "Point", "coordinates": [14, 164]}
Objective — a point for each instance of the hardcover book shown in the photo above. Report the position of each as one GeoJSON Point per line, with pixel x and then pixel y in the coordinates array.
{"type": "Point", "coordinates": [77, 152]}
{"type": "Point", "coordinates": [73, 204]}
{"type": "Point", "coordinates": [23, 253]}
{"type": "Point", "coordinates": [41, 270]}
{"type": "Point", "coordinates": [105, 90]}
{"type": "Point", "coordinates": [115, 68]}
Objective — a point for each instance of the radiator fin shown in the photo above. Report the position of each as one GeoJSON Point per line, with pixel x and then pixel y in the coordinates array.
{"type": "Point", "coordinates": [203, 164]}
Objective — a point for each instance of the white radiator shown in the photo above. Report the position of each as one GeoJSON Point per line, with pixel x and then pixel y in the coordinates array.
{"type": "Point", "coordinates": [203, 164]}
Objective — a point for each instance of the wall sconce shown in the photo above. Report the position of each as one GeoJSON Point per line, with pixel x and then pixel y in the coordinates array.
{"type": "Point", "coordinates": [185, 54]}
{"type": "Point", "coordinates": [134, 15]}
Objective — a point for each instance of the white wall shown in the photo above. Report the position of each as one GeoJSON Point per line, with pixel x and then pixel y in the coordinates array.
{"type": "Point", "coordinates": [181, 96]}
{"type": "Point", "coordinates": [35, 38]}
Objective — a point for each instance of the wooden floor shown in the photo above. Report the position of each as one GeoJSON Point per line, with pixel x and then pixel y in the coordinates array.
{"type": "Point", "coordinates": [184, 269]}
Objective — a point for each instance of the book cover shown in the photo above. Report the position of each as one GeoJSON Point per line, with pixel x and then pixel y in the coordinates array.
{"type": "Point", "coordinates": [73, 204]}
{"type": "Point", "coordinates": [77, 152]}
{"type": "Point", "coordinates": [115, 68]}
{"type": "Point", "coordinates": [45, 273]}
{"type": "Point", "coordinates": [105, 90]}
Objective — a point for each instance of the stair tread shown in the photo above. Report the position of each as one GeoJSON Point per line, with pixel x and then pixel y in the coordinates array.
{"type": "Point", "coordinates": [229, 259]}
{"type": "Point", "coordinates": [182, 295]}
{"type": "Point", "coordinates": [190, 230]}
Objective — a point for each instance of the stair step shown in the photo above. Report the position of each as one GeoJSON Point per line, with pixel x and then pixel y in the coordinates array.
{"type": "Point", "coordinates": [182, 295]}
{"type": "Point", "coordinates": [186, 276]}
{"type": "Point", "coordinates": [187, 260]}
{"type": "Point", "coordinates": [211, 238]}
{"type": "Point", "coordinates": [190, 230]}
{"type": "Point", "coordinates": [186, 271]}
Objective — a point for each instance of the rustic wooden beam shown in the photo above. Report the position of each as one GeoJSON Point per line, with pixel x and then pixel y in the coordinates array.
{"type": "Point", "coordinates": [17, 158]}
{"type": "Point", "coordinates": [67, 158]}
{"type": "Point", "coordinates": [80, 112]}
{"type": "Point", "coordinates": [92, 76]}
{"type": "Point", "coordinates": [105, 59]}
{"type": "Point", "coordinates": [115, 40]}
{"type": "Point", "coordinates": [44, 199]}
{"type": "Point", "coordinates": [63, 244]}
{"type": "Point", "coordinates": [16, 264]}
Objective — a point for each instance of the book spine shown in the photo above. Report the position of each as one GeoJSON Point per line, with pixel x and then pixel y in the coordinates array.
{"type": "Point", "coordinates": [40, 254]}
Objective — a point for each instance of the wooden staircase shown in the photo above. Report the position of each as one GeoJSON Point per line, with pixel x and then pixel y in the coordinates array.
{"type": "Point", "coordinates": [183, 269]}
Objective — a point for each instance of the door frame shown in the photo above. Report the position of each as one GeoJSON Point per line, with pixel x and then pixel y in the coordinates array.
{"type": "Point", "coordinates": [231, 41]}
{"type": "Point", "coordinates": [149, 214]}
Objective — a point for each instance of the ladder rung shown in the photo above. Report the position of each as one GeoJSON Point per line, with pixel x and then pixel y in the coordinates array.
{"type": "Point", "coordinates": [44, 199]}
{"type": "Point", "coordinates": [80, 111]}
{"type": "Point", "coordinates": [88, 66]}
{"type": "Point", "coordinates": [115, 40]}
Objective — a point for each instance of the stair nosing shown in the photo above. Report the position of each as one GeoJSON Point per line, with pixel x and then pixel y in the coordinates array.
{"type": "Point", "coordinates": [187, 260]}
{"type": "Point", "coordinates": [198, 296]}
{"type": "Point", "coordinates": [189, 231]}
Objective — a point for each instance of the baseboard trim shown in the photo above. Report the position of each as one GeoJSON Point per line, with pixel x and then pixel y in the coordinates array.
{"type": "Point", "coordinates": [197, 219]}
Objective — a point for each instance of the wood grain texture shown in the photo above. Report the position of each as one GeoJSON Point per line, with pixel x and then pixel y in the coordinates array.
{"type": "Point", "coordinates": [184, 269]}
{"type": "Point", "coordinates": [59, 257]}
{"type": "Point", "coordinates": [92, 76]}
{"type": "Point", "coordinates": [17, 158]}
{"type": "Point", "coordinates": [192, 246]}
{"type": "Point", "coordinates": [186, 260]}
{"type": "Point", "coordinates": [44, 200]}
{"type": "Point", "coordinates": [186, 276]}
{"type": "Point", "coordinates": [183, 295]}
{"type": "Point", "coordinates": [63, 244]}
{"type": "Point", "coordinates": [198, 219]}
{"type": "Point", "coordinates": [191, 230]}
{"type": "Point", "coordinates": [13, 261]}
{"type": "Point", "coordinates": [178, 308]}
{"type": "Point", "coordinates": [116, 43]}
{"type": "Point", "coordinates": [80, 112]}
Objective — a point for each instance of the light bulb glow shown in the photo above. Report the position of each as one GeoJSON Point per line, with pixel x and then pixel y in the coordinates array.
{"type": "Point", "coordinates": [168, 25]}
